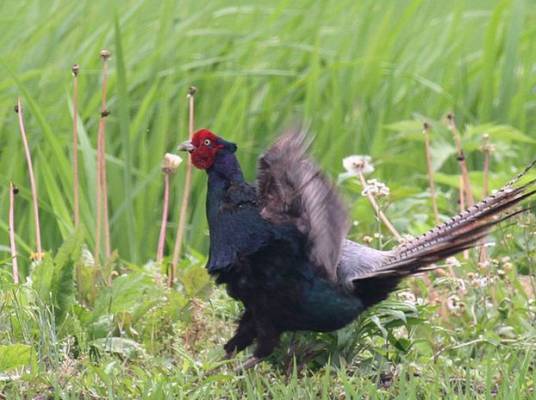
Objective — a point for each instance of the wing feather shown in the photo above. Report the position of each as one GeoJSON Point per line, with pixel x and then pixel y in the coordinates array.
{"type": "Point", "coordinates": [292, 189]}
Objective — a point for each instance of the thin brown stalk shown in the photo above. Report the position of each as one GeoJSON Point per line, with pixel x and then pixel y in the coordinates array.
{"type": "Point", "coordinates": [486, 148]}
{"type": "Point", "coordinates": [378, 211]}
{"type": "Point", "coordinates": [186, 193]}
{"type": "Point", "coordinates": [98, 202]}
{"type": "Point", "coordinates": [76, 201]}
{"type": "Point", "coordinates": [426, 131]}
{"type": "Point", "coordinates": [102, 186]}
{"type": "Point", "coordinates": [162, 237]}
{"type": "Point", "coordinates": [392, 229]}
{"type": "Point", "coordinates": [14, 265]}
{"type": "Point", "coordinates": [462, 197]}
{"type": "Point", "coordinates": [39, 250]}
{"type": "Point", "coordinates": [433, 195]}
{"type": "Point", "coordinates": [462, 207]}
{"type": "Point", "coordinates": [467, 192]}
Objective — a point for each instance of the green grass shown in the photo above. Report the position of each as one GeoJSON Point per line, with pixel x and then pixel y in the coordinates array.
{"type": "Point", "coordinates": [363, 75]}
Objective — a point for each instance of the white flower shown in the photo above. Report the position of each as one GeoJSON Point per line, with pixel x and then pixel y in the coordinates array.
{"type": "Point", "coordinates": [421, 301]}
{"type": "Point", "coordinates": [170, 163]}
{"type": "Point", "coordinates": [453, 262]}
{"type": "Point", "coordinates": [407, 297]}
{"type": "Point", "coordinates": [460, 285]}
{"type": "Point", "coordinates": [357, 164]}
{"type": "Point", "coordinates": [406, 238]}
{"type": "Point", "coordinates": [480, 281]}
{"type": "Point", "coordinates": [367, 239]}
{"type": "Point", "coordinates": [454, 304]}
{"type": "Point", "coordinates": [376, 189]}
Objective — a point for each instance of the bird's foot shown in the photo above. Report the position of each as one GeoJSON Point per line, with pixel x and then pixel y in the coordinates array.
{"type": "Point", "coordinates": [230, 355]}
{"type": "Point", "coordinates": [249, 363]}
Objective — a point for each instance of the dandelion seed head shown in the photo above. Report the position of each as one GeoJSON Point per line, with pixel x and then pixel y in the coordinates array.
{"type": "Point", "coordinates": [358, 164]}
{"type": "Point", "coordinates": [170, 163]}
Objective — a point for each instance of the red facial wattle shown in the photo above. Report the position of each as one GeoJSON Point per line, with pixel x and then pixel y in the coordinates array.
{"type": "Point", "coordinates": [206, 148]}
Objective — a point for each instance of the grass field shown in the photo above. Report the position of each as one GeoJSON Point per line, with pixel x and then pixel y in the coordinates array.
{"type": "Point", "coordinates": [364, 75]}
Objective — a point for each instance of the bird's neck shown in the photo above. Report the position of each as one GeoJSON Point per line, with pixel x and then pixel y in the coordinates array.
{"type": "Point", "coordinates": [225, 170]}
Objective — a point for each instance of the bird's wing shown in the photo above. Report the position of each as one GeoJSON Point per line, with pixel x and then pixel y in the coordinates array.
{"type": "Point", "coordinates": [292, 189]}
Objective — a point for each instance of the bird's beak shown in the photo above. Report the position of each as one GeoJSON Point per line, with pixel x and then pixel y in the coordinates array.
{"type": "Point", "coordinates": [186, 146]}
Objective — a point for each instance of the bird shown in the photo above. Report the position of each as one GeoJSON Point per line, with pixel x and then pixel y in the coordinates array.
{"type": "Point", "coordinates": [280, 245]}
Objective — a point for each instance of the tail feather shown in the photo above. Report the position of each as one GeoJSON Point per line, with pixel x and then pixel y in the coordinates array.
{"type": "Point", "coordinates": [460, 233]}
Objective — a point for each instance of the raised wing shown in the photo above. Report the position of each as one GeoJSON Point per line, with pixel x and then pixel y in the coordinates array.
{"type": "Point", "coordinates": [292, 189]}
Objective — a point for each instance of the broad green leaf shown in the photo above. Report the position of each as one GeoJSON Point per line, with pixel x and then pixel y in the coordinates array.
{"type": "Point", "coordinates": [62, 285]}
{"type": "Point", "coordinates": [15, 355]}
{"type": "Point", "coordinates": [127, 348]}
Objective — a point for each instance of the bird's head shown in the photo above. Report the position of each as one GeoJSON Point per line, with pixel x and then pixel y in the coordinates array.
{"type": "Point", "coordinates": [204, 147]}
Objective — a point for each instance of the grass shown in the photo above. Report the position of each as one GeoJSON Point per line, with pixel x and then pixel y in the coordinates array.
{"type": "Point", "coordinates": [364, 75]}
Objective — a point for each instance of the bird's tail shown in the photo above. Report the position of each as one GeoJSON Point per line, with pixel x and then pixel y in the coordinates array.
{"type": "Point", "coordinates": [460, 233]}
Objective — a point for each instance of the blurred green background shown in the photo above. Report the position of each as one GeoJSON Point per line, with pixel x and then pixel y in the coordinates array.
{"type": "Point", "coordinates": [362, 74]}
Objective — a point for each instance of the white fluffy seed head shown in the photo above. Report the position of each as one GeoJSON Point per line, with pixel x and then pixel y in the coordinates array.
{"type": "Point", "coordinates": [357, 164]}
{"type": "Point", "coordinates": [170, 163]}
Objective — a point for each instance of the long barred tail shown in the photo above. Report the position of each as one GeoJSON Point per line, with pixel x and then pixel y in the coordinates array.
{"type": "Point", "coordinates": [461, 232]}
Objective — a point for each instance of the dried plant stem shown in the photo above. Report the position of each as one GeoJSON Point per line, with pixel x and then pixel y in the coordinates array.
{"type": "Point", "coordinates": [433, 195]}
{"type": "Point", "coordinates": [378, 211]}
{"type": "Point", "coordinates": [487, 155]}
{"type": "Point", "coordinates": [462, 197]}
{"type": "Point", "coordinates": [186, 193]}
{"type": "Point", "coordinates": [76, 201]}
{"type": "Point", "coordinates": [462, 207]}
{"type": "Point", "coordinates": [39, 249]}
{"type": "Point", "coordinates": [13, 246]}
{"type": "Point", "coordinates": [102, 186]}
{"type": "Point", "coordinates": [98, 219]}
{"type": "Point", "coordinates": [162, 238]}
{"type": "Point", "coordinates": [467, 192]}
{"type": "Point", "coordinates": [392, 229]}
{"type": "Point", "coordinates": [486, 148]}
{"type": "Point", "coordinates": [106, 219]}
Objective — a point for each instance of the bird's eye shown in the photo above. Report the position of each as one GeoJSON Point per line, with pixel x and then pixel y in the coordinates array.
{"type": "Point", "coordinates": [207, 142]}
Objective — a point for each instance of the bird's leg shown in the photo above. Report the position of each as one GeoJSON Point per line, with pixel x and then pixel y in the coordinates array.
{"type": "Point", "coordinates": [267, 339]}
{"type": "Point", "coordinates": [244, 336]}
